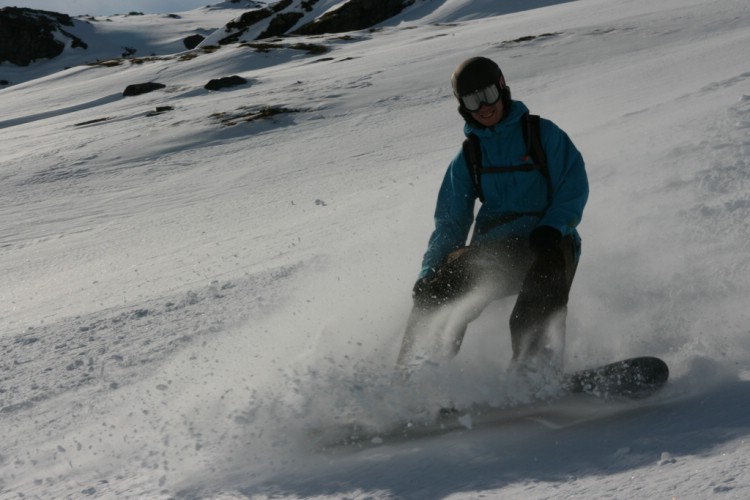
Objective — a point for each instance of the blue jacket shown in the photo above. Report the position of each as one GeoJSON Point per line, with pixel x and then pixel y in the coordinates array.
{"type": "Point", "coordinates": [509, 193]}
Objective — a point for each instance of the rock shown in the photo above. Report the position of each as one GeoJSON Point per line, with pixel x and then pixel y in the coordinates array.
{"type": "Point", "coordinates": [193, 41]}
{"type": "Point", "coordinates": [160, 110]}
{"type": "Point", "coordinates": [238, 27]}
{"type": "Point", "coordinates": [142, 88]}
{"type": "Point", "coordinates": [28, 34]}
{"type": "Point", "coordinates": [354, 15]}
{"type": "Point", "coordinates": [281, 23]}
{"type": "Point", "coordinates": [225, 82]}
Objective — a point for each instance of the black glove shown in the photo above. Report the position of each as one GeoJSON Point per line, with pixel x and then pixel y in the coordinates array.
{"type": "Point", "coordinates": [422, 286]}
{"type": "Point", "coordinates": [422, 292]}
{"type": "Point", "coordinates": [545, 238]}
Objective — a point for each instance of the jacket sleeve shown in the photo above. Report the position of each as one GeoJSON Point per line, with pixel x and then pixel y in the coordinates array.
{"type": "Point", "coordinates": [570, 187]}
{"type": "Point", "coordinates": [454, 215]}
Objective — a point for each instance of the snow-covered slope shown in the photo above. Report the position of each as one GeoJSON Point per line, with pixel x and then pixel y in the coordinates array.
{"type": "Point", "coordinates": [187, 292]}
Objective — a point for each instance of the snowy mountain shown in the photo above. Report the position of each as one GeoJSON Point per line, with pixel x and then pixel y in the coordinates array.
{"type": "Point", "coordinates": [28, 35]}
{"type": "Point", "coordinates": [195, 280]}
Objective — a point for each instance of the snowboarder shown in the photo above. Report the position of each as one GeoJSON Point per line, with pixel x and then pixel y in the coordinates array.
{"type": "Point", "coordinates": [524, 240]}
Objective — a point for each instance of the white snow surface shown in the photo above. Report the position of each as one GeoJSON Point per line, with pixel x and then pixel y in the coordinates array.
{"type": "Point", "coordinates": [187, 296]}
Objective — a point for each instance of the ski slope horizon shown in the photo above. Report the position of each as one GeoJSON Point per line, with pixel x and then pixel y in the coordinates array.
{"type": "Point", "coordinates": [189, 293]}
{"type": "Point", "coordinates": [96, 8]}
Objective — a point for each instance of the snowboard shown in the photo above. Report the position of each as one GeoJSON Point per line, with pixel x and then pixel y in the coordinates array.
{"type": "Point", "coordinates": [630, 378]}
{"type": "Point", "coordinates": [582, 396]}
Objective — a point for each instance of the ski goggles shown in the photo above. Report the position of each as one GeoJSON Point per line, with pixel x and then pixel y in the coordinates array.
{"type": "Point", "coordinates": [488, 95]}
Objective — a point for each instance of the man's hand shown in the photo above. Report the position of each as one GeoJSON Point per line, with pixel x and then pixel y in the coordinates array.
{"type": "Point", "coordinates": [545, 238]}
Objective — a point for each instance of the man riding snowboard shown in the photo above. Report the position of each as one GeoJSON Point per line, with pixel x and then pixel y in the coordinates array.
{"type": "Point", "coordinates": [532, 183]}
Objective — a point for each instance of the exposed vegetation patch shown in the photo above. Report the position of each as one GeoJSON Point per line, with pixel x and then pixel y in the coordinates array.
{"type": "Point", "coordinates": [141, 60]}
{"type": "Point", "coordinates": [528, 38]}
{"type": "Point", "coordinates": [249, 114]}
{"type": "Point", "coordinates": [109, 63]}
{"type": "Point", "coordinates": [310, 48]}
{"type": "Point", "coordinates": [91, 122]}
{"type": "Point", "coordinates": [160, 110]}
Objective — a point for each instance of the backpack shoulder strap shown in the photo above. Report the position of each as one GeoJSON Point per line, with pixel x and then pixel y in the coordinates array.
{"type": "Point", "coordinates": [533, 138]}
{"type": "Point", "coordinates": [530, 125]}
{"type": "Point", "coordinates": [473, 157]}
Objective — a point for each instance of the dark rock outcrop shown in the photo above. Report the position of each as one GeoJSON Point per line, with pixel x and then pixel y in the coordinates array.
{"type": "Point", "coordinates": [225, 82]}
{"type": "Point", "coordinates": [354, 15]}
{"type": "Point", "coordinates": [350, 16]}
{"type": "Point", "coordinates": [141, 88]}
{"type": "Point", "coordinates": [281, 23]}
{"type": "Point", "coordinates": [193, 41]}
{"type": "Point", "coordinates": [27, 35]}
{"type": "Point", "coordinates": [250, 19]}
{"type": "Point", "coordinates": [160, 110]}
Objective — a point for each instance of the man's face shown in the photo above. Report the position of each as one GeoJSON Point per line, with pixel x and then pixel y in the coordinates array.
{"type": "Point", "coordinates": [485, 104]}
{"type": "Point", "coordinates": [489, 114]}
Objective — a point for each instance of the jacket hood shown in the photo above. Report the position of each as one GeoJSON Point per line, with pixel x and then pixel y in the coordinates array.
{"type": "Point", "coordinates": [517, 110]}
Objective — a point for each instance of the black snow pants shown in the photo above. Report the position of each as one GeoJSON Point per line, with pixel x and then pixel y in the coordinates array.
{"type": "Point", "coordinates": [474, 276]}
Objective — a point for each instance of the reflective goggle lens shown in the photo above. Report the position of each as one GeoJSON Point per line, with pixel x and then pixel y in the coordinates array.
{"type": "Point", "coordinates": [487, 95]}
